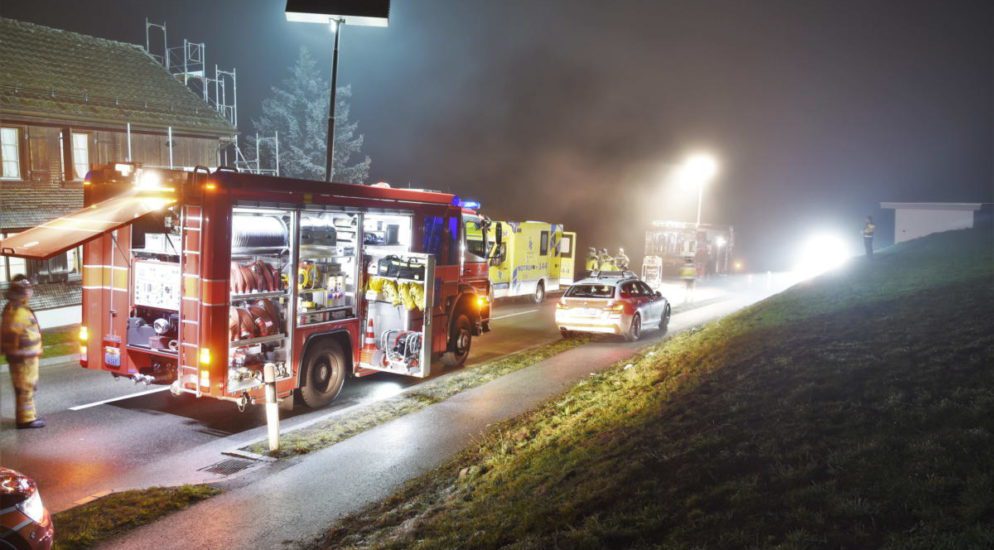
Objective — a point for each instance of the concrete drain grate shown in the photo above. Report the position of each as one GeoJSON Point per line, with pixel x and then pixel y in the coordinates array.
{"type": "Point", "coordinates": [227, 466]}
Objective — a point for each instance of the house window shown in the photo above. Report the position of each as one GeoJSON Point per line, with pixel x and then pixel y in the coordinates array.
{"type": "Point", "coordinates": [9, 154]}
{"type": "Point", "coordinates": [81, 154]}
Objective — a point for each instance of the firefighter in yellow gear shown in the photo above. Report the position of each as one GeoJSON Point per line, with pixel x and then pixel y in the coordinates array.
{"type": "Point", "coordinates": [593, 262]}
{"type": "Point", "coordinates": [20, 339]}
{"type": "Point", "coordinates": [622, 260]}
{"type": "Point", "coordinates": [606, 261]}
{"type": "Point", "coordinates": [688, 272]}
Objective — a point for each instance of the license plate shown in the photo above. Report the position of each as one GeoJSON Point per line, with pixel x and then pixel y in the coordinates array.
{"type": "Point", "coordinates": [589, 312]}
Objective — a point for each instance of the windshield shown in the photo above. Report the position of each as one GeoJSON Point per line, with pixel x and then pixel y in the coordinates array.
{"type": "Point", "coordinates": [475, 236]}
{"type": "Point", "coordinates": [590, 291]}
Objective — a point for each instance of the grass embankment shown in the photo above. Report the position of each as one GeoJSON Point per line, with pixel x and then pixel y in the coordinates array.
{"type": "Point", "coordinates": [856, 410]}
{"type": "Point", "coordinates": [341, 427]}
{"type": "Point", "coordinates": [57, 342]}
{"type": "Point", "coordinates": [95, 522]}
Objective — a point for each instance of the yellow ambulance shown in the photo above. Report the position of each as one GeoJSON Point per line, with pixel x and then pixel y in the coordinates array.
{"type": "Point", "coordinates": [534, 258]}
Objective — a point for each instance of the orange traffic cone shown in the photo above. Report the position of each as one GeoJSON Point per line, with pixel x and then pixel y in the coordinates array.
{"type": "Point", "coordinates": [368, 344]}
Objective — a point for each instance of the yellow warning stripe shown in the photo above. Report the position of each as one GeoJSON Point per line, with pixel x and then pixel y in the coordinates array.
{"type": "Point", "coordinates": [105, 276]}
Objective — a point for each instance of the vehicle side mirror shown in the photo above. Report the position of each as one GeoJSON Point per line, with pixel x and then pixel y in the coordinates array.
{"type": "Point", "coordinates": [658, 294]}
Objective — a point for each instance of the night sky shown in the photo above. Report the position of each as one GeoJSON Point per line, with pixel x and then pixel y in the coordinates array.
{"type": "Point", "coordinates": [575, 110]}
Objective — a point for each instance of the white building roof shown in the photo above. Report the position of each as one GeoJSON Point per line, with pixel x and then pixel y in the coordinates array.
{"type": "Point", "coordinates": [972, 206]}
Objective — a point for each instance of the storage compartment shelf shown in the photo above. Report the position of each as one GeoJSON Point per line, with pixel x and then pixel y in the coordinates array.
{"type": "Point", "coordinates": [322, 310]}
{"type": "Point", "coordinates": [258, 295]}
{"type": "Point", "coordinates": [153, 351]}
{"type": "Point", "coordinates": [259, 340]}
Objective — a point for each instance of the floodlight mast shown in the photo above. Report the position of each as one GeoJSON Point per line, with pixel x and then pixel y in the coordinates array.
{"type": "Point", "coordinates": [336, 13]}
{"type": "Point", "coordinates": [329, 162]}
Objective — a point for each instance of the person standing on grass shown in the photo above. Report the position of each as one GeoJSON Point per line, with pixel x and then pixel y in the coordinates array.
{"type": "Point", "coordinates": [868, 230]}
{"type": "Point", "coordinates": [20, 340]}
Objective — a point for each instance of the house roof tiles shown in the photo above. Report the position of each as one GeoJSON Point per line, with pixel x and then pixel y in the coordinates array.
{"type": "Point", "coordinates": [55, 74]}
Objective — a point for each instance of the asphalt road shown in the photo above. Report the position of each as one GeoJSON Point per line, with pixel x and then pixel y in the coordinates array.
{"type": "Point", "coordinates": [81, 450]}
{"type": "Point", "coordinates": [108, 435]}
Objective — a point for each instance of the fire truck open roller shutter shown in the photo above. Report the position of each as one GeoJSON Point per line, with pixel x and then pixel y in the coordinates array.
{"type": "Point", "coordinates": [72, 230]}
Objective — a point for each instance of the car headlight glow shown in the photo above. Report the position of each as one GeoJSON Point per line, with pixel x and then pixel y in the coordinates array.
{"type": "Point", "coordinates": [33, 507]}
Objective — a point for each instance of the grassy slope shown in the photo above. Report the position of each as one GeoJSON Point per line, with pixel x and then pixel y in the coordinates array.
{"type": "Point", "coordinates": [90, 524]}
{"type": "Point", "coordinates": [855, 410]}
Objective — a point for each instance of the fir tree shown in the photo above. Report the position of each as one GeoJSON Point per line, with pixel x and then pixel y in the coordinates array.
{"type": "Point", "coordinates": [299, 112]}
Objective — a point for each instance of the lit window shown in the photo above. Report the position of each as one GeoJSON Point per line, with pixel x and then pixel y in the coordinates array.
{"type": "Point", "coordinates": [9, 154]}
{"type": "Point", "coordinates": [81, 154]}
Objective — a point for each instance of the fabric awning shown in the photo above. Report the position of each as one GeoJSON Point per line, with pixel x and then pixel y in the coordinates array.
{"type": "Point", "coordinates": [61, 234]}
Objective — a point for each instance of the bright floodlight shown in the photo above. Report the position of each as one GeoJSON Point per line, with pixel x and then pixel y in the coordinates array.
{"type": "Point", "coordinates": [822, 253]}
{"type": "Point", "coordinates": [149, 180]}
{"type": "Point", "coordinates": [700, 168]}
{"type": "Point", "coordinates": [369, 13]}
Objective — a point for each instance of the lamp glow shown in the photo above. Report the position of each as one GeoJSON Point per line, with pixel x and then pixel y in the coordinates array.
{"type": "Point", "coordinates": [700, 168]}
{"type": "Point", "coordinates": [149, 181]}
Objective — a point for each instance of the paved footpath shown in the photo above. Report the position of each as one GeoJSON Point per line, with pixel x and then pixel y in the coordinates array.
{"type": "Point", "coordinates": [291, 504]}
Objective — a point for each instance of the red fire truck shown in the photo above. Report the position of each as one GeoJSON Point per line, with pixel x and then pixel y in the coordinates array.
{"type": "Point", "coordinates": [199, 280]}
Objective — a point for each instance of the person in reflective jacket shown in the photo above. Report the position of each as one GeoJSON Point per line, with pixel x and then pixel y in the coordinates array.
{"type": "Point", "coordinates": [593, 261]}
{"type": "Point", "coordinates": [622, 260]}
{"type": "Point", "coordinates": [20, 339]}
{"type": "Point", "coordinates": [868, 230]}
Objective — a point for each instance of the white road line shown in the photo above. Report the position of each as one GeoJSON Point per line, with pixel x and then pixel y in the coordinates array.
{"type": "Point", "coordinates": [129, 396]}
{"type": "Point", "coordinates": [513, 314]}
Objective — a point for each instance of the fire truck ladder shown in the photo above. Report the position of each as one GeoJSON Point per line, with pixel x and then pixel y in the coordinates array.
{"type": "Point", "coordinates": [187, 369]}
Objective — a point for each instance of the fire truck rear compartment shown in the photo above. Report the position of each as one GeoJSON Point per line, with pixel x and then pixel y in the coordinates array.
{"type": "Point", "coordinates": [259, 296]}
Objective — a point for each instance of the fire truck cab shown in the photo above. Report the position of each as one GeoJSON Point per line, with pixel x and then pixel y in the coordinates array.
{"type": "Point", "coordinates": [198, 280]}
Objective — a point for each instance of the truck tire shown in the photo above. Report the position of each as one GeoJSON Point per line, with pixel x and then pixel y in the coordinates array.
{"type": "Point", "coordinates": [324, 374]}
{"type": "Point", "coordinates": [635, 329]}
{"type": "Point", "coordinates": [460, 341]}
{"type": "Point", "coordinates": [539, 296]}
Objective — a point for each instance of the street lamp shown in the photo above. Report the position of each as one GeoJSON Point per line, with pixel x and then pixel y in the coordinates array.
{"type": "Point", "coordinates": [336, 13]}
{"type": "Point", "coordinates": [698, 170]}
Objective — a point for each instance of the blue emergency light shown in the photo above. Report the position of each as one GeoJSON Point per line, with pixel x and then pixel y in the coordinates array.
{"type": "Point", "coordinates": [470, 204]}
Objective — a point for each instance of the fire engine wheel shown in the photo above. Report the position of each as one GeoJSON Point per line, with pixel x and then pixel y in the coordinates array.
{"type": "Point", "coordinates": [459, 342]}
{"type": "Point", "coordinates": [635, 329]}
{"type": "Point", "coordinates": [324, 374]}
{"type": "Point", "coordinates": [539, 296]}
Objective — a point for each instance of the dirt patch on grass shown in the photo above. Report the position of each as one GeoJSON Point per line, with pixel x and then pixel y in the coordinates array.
{"type": "Point", "coordinates": [90, 524]}
{"type": "Point", "coordinates": [340, 427]}
{"type": "Point", "coordinates": [856, 410]}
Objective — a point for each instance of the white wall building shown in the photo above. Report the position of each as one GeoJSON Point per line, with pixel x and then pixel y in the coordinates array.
{"type": "Point", "coordinates": [917, 219]}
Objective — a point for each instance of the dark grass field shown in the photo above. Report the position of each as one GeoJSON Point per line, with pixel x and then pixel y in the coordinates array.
{"type": "Point", "coordinates": [852, 411]}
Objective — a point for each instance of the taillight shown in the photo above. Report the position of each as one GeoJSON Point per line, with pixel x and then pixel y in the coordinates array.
{"type": "Point", "coordinates": [84, 336]}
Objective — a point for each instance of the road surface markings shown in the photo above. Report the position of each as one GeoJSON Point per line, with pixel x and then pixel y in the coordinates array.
{"type": "Point", "coordinates": [111, 400]}
{"type": "Point", "coordinates": [513, 314]}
